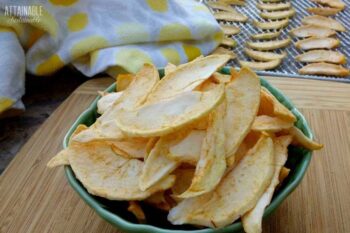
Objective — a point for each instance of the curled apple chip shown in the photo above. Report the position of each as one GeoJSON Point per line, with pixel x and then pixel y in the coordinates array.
{"type": "Point", "coordinates": [233, 15]}
{"type": "Point", "coordinates": [212, 161]}
{"type": "Point", "coordinates": [269, 45]}
{"type": "Point", "coordinates": [267, 65]}
{"type": "Point", "coordinates": [160, 200]}
{"type": "Point", "coordinates": [324, 11]}
{"type": "Point", "coordinates": [312, 31]}
{"type": "Point", "coordinates": [283, 174]}
{"type": "Point", "coordinates": [167, 116]}
{"type": "Point", "coordinates": [230, 29]}
{"type": "Point", "coordinates": [323, 21]}
{"type": "Point", "coordinates": [264, 56]}
{"type": "Point", "coordinates": [157, 165]}
{"type": "Point", "coordinates": [278, 24]}
{"type": "Point", "coordinates": [270, 124]}
{"type": "Point", "coordinates": [106, 174]}
{"type": "Point", "coordinates": [278, 14]}
{"type": "Point", "coordinates": [228, 42]}
{"type": "Point", "coordinates": [107, 101]}
{"type": "Point", "coordinates": [60, 159]}
{"type": "Point", "coordinates": [242, 102]}
{"type": "Point", "coordinates": [182, 79]}
{"type": "Point", "coordinates": [269, 105]}
{"type": "Point", "coordinates": [250, 178]}
{"type": "Point", "coordinates": [224, 51]}
{"type": "Point", "coordinates": [299, 138]}
{"type": "Point", "coordinates": [266, 35]}
{"type": "Point", "coordinates": [252, 221]}
{"type": "Point", "coordinates": [135, 208]}
{"type": "Point", "coordinates": [273, 6]}
{"type": "Point", "coordinates": [233, 2]}
{"type": "Point", "coordinates": [317, 43]}
{"type": "Point", "coordinates": [105, 127]}
{"type": "Point", "coordinates": [332, 3]}
{"type": "Point", "coordinates": [323, 68]}
{"type": "Point", "coordinates": [123, 81]}
{"type": "Point", "coordinates": [322, 56]}
{"type": "Point", "coordinates": [221, 6]}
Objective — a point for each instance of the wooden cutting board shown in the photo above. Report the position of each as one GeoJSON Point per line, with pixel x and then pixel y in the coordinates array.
{"type": "Point", "coordinates": [36, 199]}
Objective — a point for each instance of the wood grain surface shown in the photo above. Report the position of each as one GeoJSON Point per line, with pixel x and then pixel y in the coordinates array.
{"type": "Point", "coordinates": [36, 199]}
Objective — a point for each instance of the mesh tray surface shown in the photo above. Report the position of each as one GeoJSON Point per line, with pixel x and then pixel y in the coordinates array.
{"type": "Point", "coordinates": [289, 67]}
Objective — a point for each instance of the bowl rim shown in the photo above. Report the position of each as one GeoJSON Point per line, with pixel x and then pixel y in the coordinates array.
{"type": "Point", "coordinates": [125, 225]}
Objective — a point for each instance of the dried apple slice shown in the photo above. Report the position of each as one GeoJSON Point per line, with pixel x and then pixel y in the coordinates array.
{"type": "Point", "coordinates": [323, 21]}
{"type": "Point", "coordinates": [182, 79]}
{"type": "Point", "coordinates": [317, 43]}
{"type": "Point", "coordinates": [278, 14]}
{"type": "Point", "coordinates": [322, 56]}
{"type": "Point", "coordinates": [221, 6]}
{"type": "Point", "coordinates": [299, 138]}
{"type": "Point", "coordinates": [212, 161]}
{"type": "Point", "coordinates": [332, 3]}
{"type": "Point", "coordinates": [224, 51]}
{"type": "Point", "coordinates": [228, 42]}
{"type": "Point", "coordinates": [252, 221]}
{"type": "Point", "coordinates": [167, 116]}
{"type": "Point", "coordinates": [233, 2]}
{"type": "Point", "coordinates": [312, 31]}
{"type": "Point", "coordinates": [273, 6]}
{"type": "Point", "coordinates": [230, 16]}
{"type": "Point", "coordinates": [123, 81]}
{"type": "Point", "coordinates": [323, 68]}
{"type": "Point", "coordinates": [266, 35]}
{"type": "Point", "coordinates": [242, 99]}
{"type": "Point", "coordinates": [169, 68]}
{"type": "Point", "coordinates": [106, 174]}
{"type": "Point", "coordinates": [230, 29]}
{"type": "Point", "coordinates": [157, 165]}
{"type": "Point", "coordinates": [107, 101]}
{"type": "Point", "coordinates": [269, 105]}
{"type": "Point", "coordinates": [270, 124]}
{"type": "Point", "coordinates": [269, 45]}
{"type": "Point", "coordinates": [268, 65]}
{"type": "Point", "coordinates": [135, 94]}
{"type": "Point", "coordinates": [271, 24]}
{"type": "Point", "coordinates": [324, 11]}
{"type": "Point", "coordinates": [264, 56]}
{"type": "Point", "coordinates": [221, 207]}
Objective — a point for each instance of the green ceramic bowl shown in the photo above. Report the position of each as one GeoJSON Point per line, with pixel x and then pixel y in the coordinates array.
{"type": "Point", "coordinates": [115, 212]}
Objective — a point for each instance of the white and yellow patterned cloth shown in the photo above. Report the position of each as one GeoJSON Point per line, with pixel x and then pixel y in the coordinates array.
{"type": "Point", "coordinates": [98, 36]}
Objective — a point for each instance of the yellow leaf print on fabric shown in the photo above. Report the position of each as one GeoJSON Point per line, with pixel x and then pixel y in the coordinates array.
{"type": "Point", "coordinates": [175, 31]}
{"type": "Point", "coordinates": [171, 55]}
{"type": "Point", "coordinates": [88, 44]}
{"type": "Point", "coordinates": [50, 65]}
{"type": "Point", "coordinates": [158, 5]}
{"type": "Point", "coordinates": [46, 22]}
{"type": "Point", "coordinates": [63, 2]}
{"type": "Point", "coordinates": [132, 59]}
{"type": "Point", "coordinates": [77, 22]}
{"type": "Point", "coordinates": [132, 33]}
{"type": "Point", "coordinates": [5, 103]}
{"type": "Point", "coordinates": [191, 51]}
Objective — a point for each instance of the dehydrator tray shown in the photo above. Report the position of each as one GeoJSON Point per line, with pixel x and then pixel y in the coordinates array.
{"type": "Point", "coordinates": [289, 67]}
